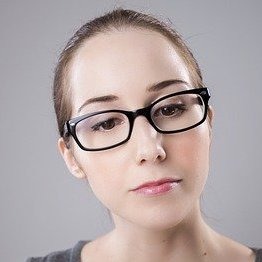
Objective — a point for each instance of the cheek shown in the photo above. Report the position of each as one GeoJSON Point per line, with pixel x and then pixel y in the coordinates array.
{"type": "Point", "coordinates": [105, 174]}
{"type": "Point", "coordinates": [190, 152]}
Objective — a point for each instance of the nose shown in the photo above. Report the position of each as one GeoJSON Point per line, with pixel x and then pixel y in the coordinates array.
{"type": "Point", "coordinates": [148, 142]}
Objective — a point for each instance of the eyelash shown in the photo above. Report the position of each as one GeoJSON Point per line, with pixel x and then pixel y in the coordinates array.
{"type": "Point", "coordinates": [181, 107]}
{"type": "Point", "coordinates": [97, 126]}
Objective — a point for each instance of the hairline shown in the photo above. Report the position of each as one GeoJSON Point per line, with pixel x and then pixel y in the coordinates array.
{"type": "Point", "coordinates": [109, 30]}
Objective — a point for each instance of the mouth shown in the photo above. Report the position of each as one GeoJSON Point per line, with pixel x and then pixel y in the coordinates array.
{"type": "Point", "coordinates": [157, 187]}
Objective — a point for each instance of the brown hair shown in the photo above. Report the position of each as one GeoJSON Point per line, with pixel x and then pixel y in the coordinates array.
{"type": "Point", "coordinates": [116, 19]}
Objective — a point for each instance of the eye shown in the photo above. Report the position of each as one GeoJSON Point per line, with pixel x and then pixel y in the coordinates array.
{"type": "Point", "coordinates": [170, 110]}
{"type": "Point", "coordinates": [107, 125]}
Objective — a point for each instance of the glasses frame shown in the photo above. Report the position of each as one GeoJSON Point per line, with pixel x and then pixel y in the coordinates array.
{"type": "Point", "coordinates": [70, 125]}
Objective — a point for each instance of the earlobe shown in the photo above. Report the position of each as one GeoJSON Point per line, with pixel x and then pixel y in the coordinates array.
{"type": "Point", "coordinates": [70, 160]}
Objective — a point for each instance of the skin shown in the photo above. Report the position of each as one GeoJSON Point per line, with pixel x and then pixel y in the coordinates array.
{"type": "Point", "coordinates": [168, 227]}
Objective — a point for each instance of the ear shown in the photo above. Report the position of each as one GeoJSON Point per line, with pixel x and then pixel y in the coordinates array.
{"type": "Point", "coordinates": [210, 118]}
{"type": "Point", "coordinates": [70, 160]}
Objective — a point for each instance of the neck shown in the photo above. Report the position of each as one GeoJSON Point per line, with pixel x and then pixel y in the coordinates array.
{"type": "Point", "coordinates": [190, 240]}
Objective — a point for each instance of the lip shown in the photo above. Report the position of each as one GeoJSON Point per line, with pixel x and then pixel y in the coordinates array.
{"type": "Point", "coordinates": [157, 187]}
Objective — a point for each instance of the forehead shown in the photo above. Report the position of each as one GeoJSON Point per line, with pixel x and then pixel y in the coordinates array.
{"type": "Point", "coordinates": [120, 61]}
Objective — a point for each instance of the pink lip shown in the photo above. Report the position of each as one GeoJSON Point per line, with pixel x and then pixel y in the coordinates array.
{"type": "Point", "coordinates": [157, 187]}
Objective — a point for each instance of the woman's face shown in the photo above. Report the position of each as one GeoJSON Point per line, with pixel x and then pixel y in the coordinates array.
{"type": "Point", "coordinates": [124, 64]}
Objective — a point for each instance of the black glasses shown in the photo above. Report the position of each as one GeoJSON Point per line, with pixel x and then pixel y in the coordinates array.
{"type": "Point", "coordinates": [173, 113]}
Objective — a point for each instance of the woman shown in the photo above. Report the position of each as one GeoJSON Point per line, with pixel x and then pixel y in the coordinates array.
{"type": "Point", "coordinates": [134, 120]}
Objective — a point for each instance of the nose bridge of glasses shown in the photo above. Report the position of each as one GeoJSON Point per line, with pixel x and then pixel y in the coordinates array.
{"type": "Point", "coordinates": [143, 112]}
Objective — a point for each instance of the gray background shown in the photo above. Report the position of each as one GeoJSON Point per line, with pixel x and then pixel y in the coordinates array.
{"type": "Point", "coordinates": [43, 208]}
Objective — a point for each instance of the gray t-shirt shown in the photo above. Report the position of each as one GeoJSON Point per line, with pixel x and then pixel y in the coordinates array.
{"type": "Point", "coordinates": [74, 255]}
{"type": "Point", "coordinates": [69, 255]}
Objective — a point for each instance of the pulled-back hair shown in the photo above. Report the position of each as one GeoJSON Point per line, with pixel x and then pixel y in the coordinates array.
{"type": "Point", "coordinates": [117, 19]}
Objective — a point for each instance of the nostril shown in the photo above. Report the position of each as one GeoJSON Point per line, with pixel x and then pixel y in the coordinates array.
{"type": "Point", "coordinates": [161, 154]}
{"type": "Point", "coordinates": [151, 152]}
{"type": "Point", "coordinates": [142, 161]}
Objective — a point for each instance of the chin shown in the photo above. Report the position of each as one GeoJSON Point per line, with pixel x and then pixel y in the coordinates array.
{"type": "Point", "coordinates": [161, 219]}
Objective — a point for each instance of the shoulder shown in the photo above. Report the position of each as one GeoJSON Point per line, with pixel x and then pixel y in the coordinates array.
{"type": "Point", "coordinates": [68, 255]}
{"type": "Point", "coordinates": [258, 252]}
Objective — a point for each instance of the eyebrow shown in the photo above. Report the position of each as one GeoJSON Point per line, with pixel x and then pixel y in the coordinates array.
{"type": "Point", "coordinates": [152, 88]}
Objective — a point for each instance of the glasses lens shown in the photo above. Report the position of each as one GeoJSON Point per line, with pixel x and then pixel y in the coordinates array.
{"type": "Point", "coordinates": [102, 130]}
{"type": "Point", "coordinates": [178, 112]}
